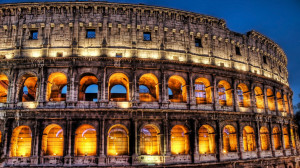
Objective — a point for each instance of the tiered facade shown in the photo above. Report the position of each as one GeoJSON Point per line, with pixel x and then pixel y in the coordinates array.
{"type": "Point", "coordinates": [109, 84]}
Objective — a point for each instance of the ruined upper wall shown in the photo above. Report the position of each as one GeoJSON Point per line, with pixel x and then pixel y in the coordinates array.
{"type": "Point", "coordinates": [119, 30]}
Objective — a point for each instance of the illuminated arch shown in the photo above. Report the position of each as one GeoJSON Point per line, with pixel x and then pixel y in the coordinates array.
{"type": "Point", "coordinates": [264, 138]}
{"type": "Point", "coordinates": [53, 141]}
{"type": "Point", "coordinates": [229, 139]}
{"type": "Point", "coordinates": [276, 138]}
{"type": "Point", "coordinates": [259, 97]}
{"type": "Point", "coordinates": [279, 102]}
{"type": "Point", "coordinates": [243, 95]}
{"type": "Point", "coordinates": [249, 139]}
{"type": "Point", "coordinates": [207, 142]}
{"type": "Point", "coordinates": [178, 87]}
{"type": "Point", "coordinates": [85, 141]}
{"type": "Point", "coordinates": [86, 82]}
{"type": "Point", "coordinates": [150, 140]}
{"type": "Point", "coordinates": [4, 82]}
{"type": "Point", "coordinates": [293, 138]}
{"type": "Point", "coordinates": [117, 141]}
{"type": "Point", "coordinates": [179, 140]}
{"type": "Point", "coordinates": [286, 138]}
{"type": "Point", "coordinates": [271, 101]}
{"type": "Point", "coordinates": [225, 93]}
{"type": "Point", "coordinates": [21, 142]}
{"type": "Point", "coordinates": [56, 82]}
{"type": "Point", "coordinates": [203, 91]}
{"type": "Point", "coordinates": [115, 80]}
{"type": "Point", "coordinates": [28, 88]}
{"type": "Point", "coordinates": [150, 81]}
{"type": "Point", "coordinates": [286, 104]}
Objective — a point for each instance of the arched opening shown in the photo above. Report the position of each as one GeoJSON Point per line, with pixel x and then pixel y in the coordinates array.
{"type": "Point", "coordinates": [57, 87]}
{"type": "Point", "coordinates": [277, 138]}
{"type": "Point", "coordinates": [243, 95]}
{"type": "Point", "coordinates": [85, 141]}
{"type": "Point", "coordinates": [203, 91]}
{"type": "Point", "coordinates": [21, 142]}
{"type": "Point", "coordinates": [259, 97]}
{"type": "Point", "coordinates": [178, 87]}
{"type": "Point", "coordinates": [279, 102]}
{"type": "Point", "coordinates": [88, 88]}
{"type": "Point", "coordinates": [179, 140]}
{"type": "Point", "coordinates": [207, 140]}
{"type": "Point", "coordinates": [28, 89]}
{"type": "Point", "coordinates": [225, 93]}
{"type": "Point", "coordinates": [148, 88]}
{"type": "Point", "coordinates": [229, 139]}
{"type": "Point", "coordinates": [3, 88]}
{"type": "Point", "coordinates": [249, 139]}
{"type": "Point", "coordinates": [286, 138]}
{"type": "Point", "coordinates": [264, 138]}
{"type": "Point", "coordinates": [118, 87]}
{"type": "Point", "coordinates": [293, 138]}
{"type": "Point", "coordinates": [286, 104]}
{"type": "Point", "coordinates": [150, 140]}
{"type": "Point", "coordinates": [53, 141]}
{"type": "Point", "coordinates": [117, 141]}
{"type": "Point", "coordinates": [271, 101]}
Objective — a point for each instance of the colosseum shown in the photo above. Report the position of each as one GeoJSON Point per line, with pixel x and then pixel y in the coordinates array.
{"type": "Point", "coordinates": [96, 84]}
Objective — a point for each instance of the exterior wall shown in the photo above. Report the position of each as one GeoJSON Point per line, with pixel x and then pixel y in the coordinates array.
{"type": "Point", "coordinates": [119, 29]}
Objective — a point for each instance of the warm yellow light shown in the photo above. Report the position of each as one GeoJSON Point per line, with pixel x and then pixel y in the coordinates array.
{"type": "Point", "coordinates": [152, 159]}
{"type": "Point", "coordinates": [123, 104]}
{"type": "Point", "coordinates": [36, 54]}
{"type": "Point", "coordinates": [205, 61]}
{"type": "Point", "coordinates": [224, 151]}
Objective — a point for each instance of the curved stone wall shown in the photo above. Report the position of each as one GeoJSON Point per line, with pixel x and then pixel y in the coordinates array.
{"type": "Point", "coordinates": [118, 29]}
{"type": "Point", "coordinates": [108, 84]}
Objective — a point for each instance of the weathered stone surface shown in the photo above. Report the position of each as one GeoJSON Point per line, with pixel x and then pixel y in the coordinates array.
{"type": "Point", "coordinates": [186, 52]}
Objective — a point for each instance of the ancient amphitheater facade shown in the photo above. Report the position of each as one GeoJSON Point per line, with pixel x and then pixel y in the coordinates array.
{"type": "Point", "coordinates": [109, 84]}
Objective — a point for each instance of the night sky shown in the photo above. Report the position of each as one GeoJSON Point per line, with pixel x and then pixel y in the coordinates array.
{"type": "Point", "coordinates": [277, 19]}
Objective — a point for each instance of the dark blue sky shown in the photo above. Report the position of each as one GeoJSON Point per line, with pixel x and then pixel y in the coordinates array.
{"type": "Point", "coordinates": [277, 19]}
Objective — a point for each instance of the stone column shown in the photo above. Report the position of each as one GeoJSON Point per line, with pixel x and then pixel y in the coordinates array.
{"type": "Point", "coordinates": [276, 101]}
{"type": "Point", "coordinates": [265, 99]}
{"type": "Point", "coordinates": [167, 137]}
{"type": "Point", "coordinates": [235, 104]}
{"type": "Point", "coordinates": [252, 97]}
{"type": "Point", "coordinates": [191, 89]}
{"type": "Point", "coordinates": [99, 91]}
{"type": "Point", "coordinates": [282, 139]}
{"type": "Point", "coordinates": [135, 138]}
{"type": "Point", "coordinates": [104, 90]}
{"type": "Point", "coordinates": [196, 149]}
{"type": "Point", "coordinates": [271, 139]}
{"type": "Point", "coordinates": [5, 142]}
{"type": "Point", "coordinates": [35, 145]}
{"type": "Point", "coordinates": [165, 98]}
{"type": "Point", "coordinates": [240, 140]}
{"type": "Point", "coordinates": [42, 86]}
{"type": "Point", "coordinates": [68, 143]}
{"type": "Point", "coordinates": [134, 90]}
{"type": "Point", "coordinates": [289, 104]}
{"type": "Point", "coordinates": [215, 97]}
{"type": "Point", "coordinates": [101, 145]}
{"type": "Point", "coordinates": [290, 138]}
{"type": "Point", "coordinates": [14, 88]}
{"type": "Point", "coordinates": [102, 152]}
{"type": "Point", "coordinates": [219, 141]}
{"type": "Point", "coordinates": [258, 142]}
